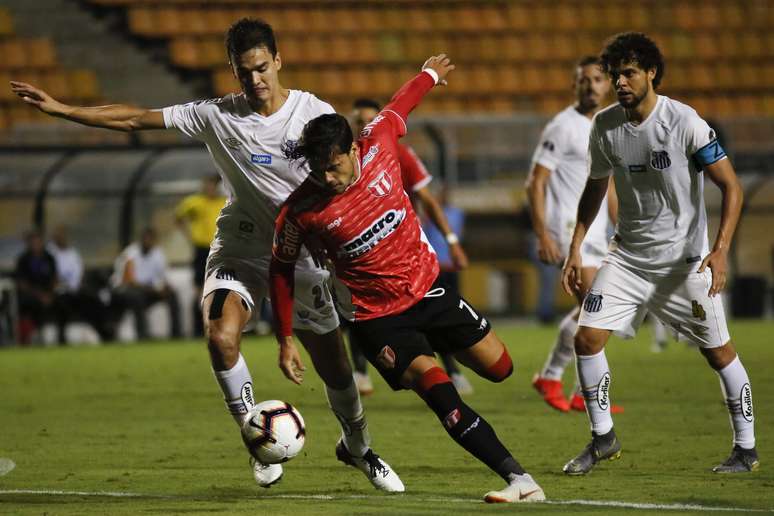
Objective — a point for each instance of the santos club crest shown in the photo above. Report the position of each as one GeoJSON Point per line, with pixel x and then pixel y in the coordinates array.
{"type": "Point", "coordinates": [382, 185]}
{"type": "Point", "coordinates": [660, 160]}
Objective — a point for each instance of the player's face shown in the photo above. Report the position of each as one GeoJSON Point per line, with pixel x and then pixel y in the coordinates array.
{"type": "Point", "coordinates": [341, 172]}
{"type": "Point", "coordinates": [632, 83]}
{"type": "Point", "coordinates": [361, 118]}
{"type": "Point", "coordinates": [591, 86]}
{"type": "Point", "coordinates": [256, 70]}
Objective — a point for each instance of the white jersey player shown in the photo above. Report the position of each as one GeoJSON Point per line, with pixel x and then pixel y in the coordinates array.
{"type": "Point", "coordinates": [658, 152]}
{"type": "Point", "coordinates": [244, 134]}
{"type": "Point", "coordinates": [555, 184]}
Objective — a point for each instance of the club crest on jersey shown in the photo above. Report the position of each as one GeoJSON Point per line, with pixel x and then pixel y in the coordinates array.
{"type": "Point", "coordinates": [260, 159]}
{"type": "Point", "coordinates": [370, 155]}
{"type": "Point", "coordinates": [382, 185]}
{"type": "Point", "coordinates": [375, 233]}
{"type": "Point", "coordinates": [593, 302]}
{"type": "Point", "coordinates": [233, 143]}
{"type": "Point", "coordinates": [660, 160]}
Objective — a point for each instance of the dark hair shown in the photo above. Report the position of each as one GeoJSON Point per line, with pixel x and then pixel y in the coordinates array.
{"type": "Point", "coordinates": [364, 103]}
{"type": "Point", "coordinates": [633, 47]}
{"type": "Point", "coordinates": [588, 60]}
{"type": "Point", "coordinates": [249, 33]}
{"type": "Point", "coordinates": [321, 139]}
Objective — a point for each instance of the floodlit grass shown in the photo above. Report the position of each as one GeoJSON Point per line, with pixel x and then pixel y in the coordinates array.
{"type": "Point", "coordinates": [148, 419]}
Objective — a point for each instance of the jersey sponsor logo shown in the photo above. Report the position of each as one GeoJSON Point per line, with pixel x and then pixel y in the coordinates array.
{"type": "Point", "coordinates": [382, 185]}
{"type": "Point", "coordinates": [603, 392]}
{"type": "Point", "coordinates": [634, 169]}
{"type": "Point", "coordinates": [247, 395]}
{"type": "Point", "coordinates": [233, 143]}
{"type": "Point", "coordinates": [246, 227]}
{"type": "Point", "coordinates": [370, 155]}
{"type": "Point", "coordinates": [593, 302]}
{"type": "Point", "coordinates": [375, 233]}
{"type": "Point", "coordinates": [226, 274]}
{"type": "Point", "coordinates": [367, 130]}
{"type": "Point", "coordinates": [386, 357]}
{"type": "Point", "coordinates": [261, 159]}
{"type": "Point", "coordinates": [660, 160]}
{"type": "Point", "coordinates": [336, 223]}
{"type": "Point", "coordinates": [288, 241]}
{"type": "Point", "coordinates": [745, 397]}
{"type": "Point", "coordinates": [549, 146]}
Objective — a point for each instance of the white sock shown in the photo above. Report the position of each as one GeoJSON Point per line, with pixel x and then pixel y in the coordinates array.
{"type": "Point", "coordinates": [659, 330]}
{"type": "Point", "coordinates": [594, 376]}
{"type": "Point", "coordinates": [564, 349]}
{"type": "Point", "coordinates": [346, 405]}
{"type": "Point", "coordinates": [237, 386]}
{"type": "Point", "coordinates": [736, 388]}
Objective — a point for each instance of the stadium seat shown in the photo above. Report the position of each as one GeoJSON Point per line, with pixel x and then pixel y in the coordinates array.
{"type": "Point", "coordinates": [141, 21]}
{"type": "Point", "coordinates": [83, 84]}
{"type": "Point", "coordinates": [6, 22]}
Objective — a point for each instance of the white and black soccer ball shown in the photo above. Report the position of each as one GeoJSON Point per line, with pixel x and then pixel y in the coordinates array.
{"type": "Point", "coordinates": [274, 432]}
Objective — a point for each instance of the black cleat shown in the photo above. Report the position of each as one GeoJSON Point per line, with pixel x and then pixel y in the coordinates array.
{"type": "Point", "coordinates": [740, 461]}
{"type": "Point", "coordinates": [601, 447]}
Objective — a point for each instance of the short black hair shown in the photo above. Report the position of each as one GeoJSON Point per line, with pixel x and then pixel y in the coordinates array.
{"type": "Point", "coordinates": [322, 138]}
{"type": "Point", "coordinates": [364, 103]}
{"type": "Point", "coordinates": [588, 60]}
{"type": "Point", "coordinates": [633, 47]}
{"type": "Point", "coordinates": [249, 33]}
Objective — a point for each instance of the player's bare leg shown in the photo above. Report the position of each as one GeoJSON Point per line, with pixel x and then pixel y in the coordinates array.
{"type": "Point", "coordinates": [329, 357]}
{"type": "Point", "coordinates": [488, 358]}
{"type": "Point", "coordinates": [735, 385]}
{"type": "Point", "coordinates": [594, 377]}
{"type": "Point", "coordinates": [225, 315]}
{"type": "Point", "coordinates": [465, 426]}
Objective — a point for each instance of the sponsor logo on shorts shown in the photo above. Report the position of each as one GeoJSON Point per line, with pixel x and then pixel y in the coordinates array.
{"type": "Point", "coordinates": [226, 274]}
{"type": "Point", "coordinates": [386, 357]}
{"type": "Point", "coordinates": [382, 185]}
{"type": "Point", "coordinates": [593, 302]}
{"type": "Point", "coordinates": [370, 155]}
{"type": "Point", "coordinates": [452, 418]}
{"type": "Point", "coordinates": [377, 231]}
{"type": "Point", "coordinates": [483, 324]}
{"type": "Point", "coordinates": [660, 160]}
{"type": "Point", "coordinates": [603, 392]}
{"type": "Point", "coordinates": [247, 395]}
{"type": "Point", "coordinates": [746, 398]}
{"type": "Point", "coordinates": [698, 310]}
{"type": "Point", "coordinates": [261, 159]}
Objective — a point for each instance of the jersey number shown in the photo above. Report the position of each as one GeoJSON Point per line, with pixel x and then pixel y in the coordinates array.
{"type": "Point", "coordinates": [320, 296]}
{"type": "Point", "coordinates": [465, 306]}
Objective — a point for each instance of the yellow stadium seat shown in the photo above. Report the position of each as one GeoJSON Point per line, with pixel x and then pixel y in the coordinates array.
{"type": "Point", "coordinates": [518, 17]}
{"type": "Point", "coordinates": [169, 21]}
{"type": "Point", "coordinates": [725, 76]}
{"type": "Point", "coordinates": [752, 44]}
{"type": "Point", "coordinates": [748, 105]}
{"type": "Point", "coordinates": [56, 83]}
{"type": "Point", "coordinates": [141, 21]}
{"type": "Point", "coordinates": [6, 22]}
{"type": "Point", "coordinates": [5, 92]}
{"type": "Point", "coordinates": [14, 53]}
{"type": "Point", "coordinates": [184, 52]}
{"type": "Point", "coordinates": [706, 46]}
{"type": "Point", "coordinates": [223, 82]}
{"type": "Point", "coordinates": [590, 17]}
{"type": "Point", "coordinates": [493, 18]}
{"type": "Point", "coordinates": [748, 76]}
{"type": "Point", "coordinates": [708, 16]}
{"type": "Point", "coordinates": [83, 84]}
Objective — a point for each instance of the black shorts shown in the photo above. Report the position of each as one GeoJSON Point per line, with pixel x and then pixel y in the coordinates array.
{"type": "Point", "coordinates": [441, 322]}
{"type": "Point", "coordinates": [200, 264]}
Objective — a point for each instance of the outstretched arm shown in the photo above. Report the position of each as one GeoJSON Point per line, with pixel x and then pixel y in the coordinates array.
{"type": "Point", "coordinates": [119, 117]}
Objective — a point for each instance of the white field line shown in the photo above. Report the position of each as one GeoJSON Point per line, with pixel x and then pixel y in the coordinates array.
{"type": "Point", "coordinates": [323, 497]}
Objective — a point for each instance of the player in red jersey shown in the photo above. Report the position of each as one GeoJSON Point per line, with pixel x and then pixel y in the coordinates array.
{"type": "Point", "coordinates": [353, 207]}
{"type": "Point", "coordinates": [416, 180]}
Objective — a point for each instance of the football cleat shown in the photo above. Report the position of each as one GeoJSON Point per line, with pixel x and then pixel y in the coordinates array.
{"type": "Point", "coordinates": [577, 403]}
{"type": "Point", "coordinates": [552, 392]}
{"type": "Point", "coordinates": [379, 473]}
{"type": "Point", "coordinates": [740, 461]}
{"type": "Point", "coordinates": [462, 384]}
{"type": "Point", "coordinates": [363, 383]}
{"type": "Point", "coordinates": [522, 489]}
{"type": "Point", "coordinates": [601, 447]}
{"type": "Point", "coordinates": [266, 475]}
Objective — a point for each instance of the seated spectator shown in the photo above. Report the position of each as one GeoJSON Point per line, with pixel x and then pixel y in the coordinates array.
{"type": "Point", "coordinates": [36, 280]}
{"type": "Point", "coordinates": [139, 279]}
{"type": "Point", "coordinates": [75, 301]}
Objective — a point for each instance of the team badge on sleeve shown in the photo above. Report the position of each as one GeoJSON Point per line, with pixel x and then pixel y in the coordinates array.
{"type": "Point", "coordinates": [660, 160]}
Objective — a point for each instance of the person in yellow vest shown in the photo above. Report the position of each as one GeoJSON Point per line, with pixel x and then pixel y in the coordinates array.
{"type": "Point", "coordinates": [197, 213]}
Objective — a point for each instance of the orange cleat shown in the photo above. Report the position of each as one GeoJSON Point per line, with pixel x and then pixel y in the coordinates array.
{"type": "Point", "coordinates": [552, 392]}
{"type": "Point", "coordinates": [577, 403]}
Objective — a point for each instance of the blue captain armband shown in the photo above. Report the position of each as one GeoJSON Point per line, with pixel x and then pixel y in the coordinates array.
{"type": "Point", "coordinates": [709, 154]}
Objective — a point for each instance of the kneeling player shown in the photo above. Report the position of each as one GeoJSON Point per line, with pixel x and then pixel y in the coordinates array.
{"type": "Point", "coordinates": [354, 208]}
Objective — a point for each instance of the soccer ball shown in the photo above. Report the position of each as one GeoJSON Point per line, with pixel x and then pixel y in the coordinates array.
{"type": "Point", "coordinates": [274, 432]}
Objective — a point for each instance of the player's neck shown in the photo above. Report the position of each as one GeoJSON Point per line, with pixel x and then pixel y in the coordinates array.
{"type": "Point", "coordinates": [643, 110]}
{"type": "Point", "coordinates": [586, 111]}
{"type": "Point", "coordinates": [273, 104]}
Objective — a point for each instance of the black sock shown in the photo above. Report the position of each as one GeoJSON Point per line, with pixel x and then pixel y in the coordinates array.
{"type": "Point", "coordinates": [359, 360]}
{"type": "Point", "coordinates": [449, 363]}
{"type": "Point", "coordinates": [470, 430]}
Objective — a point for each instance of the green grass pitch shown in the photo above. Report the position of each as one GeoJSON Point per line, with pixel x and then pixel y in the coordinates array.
{"type": "Point", "coordinates": [147, 422]}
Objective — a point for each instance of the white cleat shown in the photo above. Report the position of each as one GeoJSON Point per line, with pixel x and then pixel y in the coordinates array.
{"type": "Point", "coordinates": [266, 475]}
{"type": "Point", "coordinates": [363, 383]}
{"type": "Point", "coordinates": [521, 489]}
{"type": "Point", "coordinates": [378, 472]}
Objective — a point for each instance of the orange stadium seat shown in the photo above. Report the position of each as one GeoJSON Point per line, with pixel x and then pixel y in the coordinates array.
{"type": "Point", "coordinates": [518, 17]}
{"type": "Point", "coordinates": [185, 52]}
{"type": "Point", "coordinates": [590, 17]}
{"type": "Point", "coordinates": [41, 53]}
{"type": "Point", "coordinates": [752, 44]}
{"type": "Point", "coordinates": [6, 22]}
{"type": "Point", "coordinates": [83, 84]}
{"type": "Point", "coordinates": [57, 84]}
{"type": "Point", "coordinates": [14, 53]}
{"type": "Point", "coordinates": [708, 16]}
{"type": "Point", "coordinates": [169, 21]}
{"type": "Point", "coordinates": [493, 18]}
{"type": "Point", "coordinates": [5, 93]}
{"type": "Point", "coordinates": [141, 21]}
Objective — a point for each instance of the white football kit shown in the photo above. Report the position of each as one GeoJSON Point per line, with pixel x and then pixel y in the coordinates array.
{"type": "Point", "coordinates": [563, 150]}
{"type": "Point", "coordinates": [661, 237]}
{"type": "Point", "coordinates": [246, 149]}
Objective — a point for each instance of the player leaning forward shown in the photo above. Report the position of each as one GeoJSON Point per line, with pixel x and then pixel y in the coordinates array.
{"type": "Point", "coordinates": [354, 206]}
{"type": "Point", "coordinates": [658, 151]}
{"type": "Point", "coordinates": [243, 133]}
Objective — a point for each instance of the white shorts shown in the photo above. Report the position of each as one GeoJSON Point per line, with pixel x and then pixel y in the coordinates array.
{"type": "Point", "coordinates": [620, 297]}
{"type": "Point", "coordinates": [313, 307]}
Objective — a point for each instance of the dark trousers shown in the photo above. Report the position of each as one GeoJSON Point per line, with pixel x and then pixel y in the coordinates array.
{"type": "Point", "coordinates": [139, 299]}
